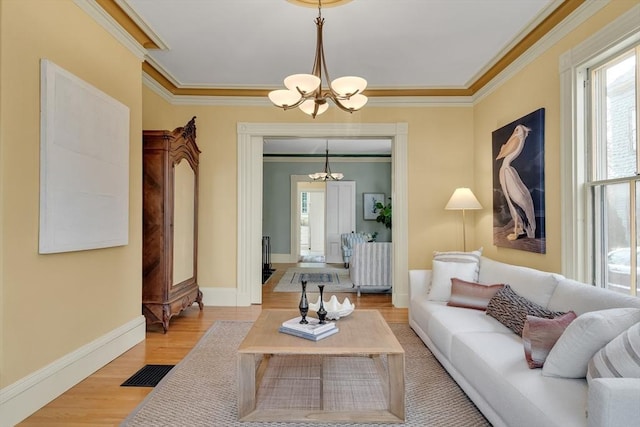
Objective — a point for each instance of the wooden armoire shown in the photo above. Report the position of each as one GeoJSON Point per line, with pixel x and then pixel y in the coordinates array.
{"type": "Point", "coordinates": [170, 223]}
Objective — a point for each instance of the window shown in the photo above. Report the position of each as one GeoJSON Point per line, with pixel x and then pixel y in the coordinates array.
{"type": "Point", "coordinates": [596, 207]}
{"type": "Point", "coordinates": [612, 170]}
{"type": "Point", "coordinates": [304, 197]}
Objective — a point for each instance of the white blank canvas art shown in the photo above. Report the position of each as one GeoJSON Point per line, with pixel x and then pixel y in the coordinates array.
{"type": "Point", "coordinates": [84, 165]}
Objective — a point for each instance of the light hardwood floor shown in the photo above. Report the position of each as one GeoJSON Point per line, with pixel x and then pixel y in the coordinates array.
{"type": "Point", "coordinates": [100, 400]}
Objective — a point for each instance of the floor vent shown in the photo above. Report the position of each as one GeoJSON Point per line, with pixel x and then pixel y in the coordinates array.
{"type": "Point", "coordinates": [148, 376]}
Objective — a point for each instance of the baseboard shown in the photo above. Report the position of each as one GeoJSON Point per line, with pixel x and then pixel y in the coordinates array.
{"type": "Point", "coordinates": [283, 258]}
{"type": "Point", "coordinates": [400, 300]}
{"type": "Point", "coordinates": [27, 395]}
{"type": "Point", "coordinates": [220, 297]}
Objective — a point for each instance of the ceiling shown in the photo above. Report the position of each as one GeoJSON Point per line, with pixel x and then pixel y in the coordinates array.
{"type": "Point", "coordinates": [401, 47]}
{"type": "Point", "coordinates": [393, 44]}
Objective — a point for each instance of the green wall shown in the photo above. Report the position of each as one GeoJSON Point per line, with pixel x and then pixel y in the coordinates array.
{"type": "Point", "coordinates": [370, 177]}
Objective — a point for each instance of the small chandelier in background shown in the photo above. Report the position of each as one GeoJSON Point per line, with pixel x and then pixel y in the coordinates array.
{"type": "Point", "coordinates": [327, 175]}
{"type": "Point", "coordinates": [305, 90]}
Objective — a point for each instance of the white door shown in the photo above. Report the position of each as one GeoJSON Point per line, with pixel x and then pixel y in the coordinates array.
{"type": "Point", "coordinates": [341, 216]}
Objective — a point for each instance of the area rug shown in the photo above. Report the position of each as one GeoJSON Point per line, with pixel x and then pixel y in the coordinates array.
{"type": "Point", "coordinates": [312, 258]}
{"type": "Point", "coordinates": [201, 389]}
{"type": "Point", "coordinates": [334, 279]}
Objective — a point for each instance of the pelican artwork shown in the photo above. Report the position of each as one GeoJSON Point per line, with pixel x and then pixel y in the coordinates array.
{"type": "Point", "coordinates": [517, 194]}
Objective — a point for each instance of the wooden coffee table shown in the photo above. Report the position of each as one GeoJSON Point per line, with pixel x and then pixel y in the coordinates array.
{"type": "Point", "coordinates": [363, 338]}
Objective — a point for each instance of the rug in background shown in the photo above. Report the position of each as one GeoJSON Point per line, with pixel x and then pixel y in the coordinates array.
{"type": "Point", "coordinates": [312, 258]}
{"type": "Point", "coordinates": [202, 389]}
{"type": "Point", "coordinates": [334, 279]}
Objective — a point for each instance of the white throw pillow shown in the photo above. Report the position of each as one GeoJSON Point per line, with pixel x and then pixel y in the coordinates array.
{"type": "Point", "coordinates": [618, 359]}
{"type": "Point", "coordinates": [443, 272]}
{"type": "Point", "coordinates": [461, 257]}
{"type": "Point", "coordinates": [583, 337]}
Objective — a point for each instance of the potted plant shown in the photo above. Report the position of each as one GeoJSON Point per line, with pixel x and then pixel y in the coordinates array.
{"type": "Point", "coordinates": [384, 213]}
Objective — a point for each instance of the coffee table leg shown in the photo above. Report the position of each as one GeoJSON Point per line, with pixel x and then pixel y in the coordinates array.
{"type": "Point", "coordinates": [396, 384]}
{"type": "Point", "coordinates": [246, 384]}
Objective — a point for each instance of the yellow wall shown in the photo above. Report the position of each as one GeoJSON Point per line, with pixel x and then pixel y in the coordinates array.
{"type": "Point", "coordinates": [536, 86]}
{"type": "Point", "coordinates": [54, 304]}
{"type": "Point", "coordinates": [440, 159]}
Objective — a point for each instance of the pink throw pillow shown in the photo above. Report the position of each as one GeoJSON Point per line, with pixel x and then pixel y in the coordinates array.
{"type": "Point", "coordinates": [539, 336]}
{"type": "Point", "coordinates": [471, 295]}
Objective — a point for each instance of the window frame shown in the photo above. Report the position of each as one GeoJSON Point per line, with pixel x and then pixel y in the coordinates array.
{"type": "Point", "coordinates": [597, 181]}
{"type": "Point", "coordinates": [617, 36]}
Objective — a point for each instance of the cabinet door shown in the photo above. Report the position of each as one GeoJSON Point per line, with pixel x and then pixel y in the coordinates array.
{"type": "Point", "coordinates": [183, 222]}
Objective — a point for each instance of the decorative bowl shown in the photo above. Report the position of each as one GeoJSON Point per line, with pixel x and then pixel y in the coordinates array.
{"type": "Point", "coordinates": [335, 310]}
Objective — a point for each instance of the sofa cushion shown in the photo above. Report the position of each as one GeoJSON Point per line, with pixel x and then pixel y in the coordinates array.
{"type": "Point", "coordinates": [584, 337]}
{"type": "Point", "coordinates": [443, 272]}
{"type": "Point", "coordinates": [618, 359]}
{"type": "Point", "coordinates": [445, 323]}
{"type": "Point", "coordinates": [471, 294]}
{"type": "Point", "coordinates": [535, 285]}
{"type": "Point", "coordinates": [582, 298]}
{"type": "Point", "coordinates": [493, 364]}
{"type": "Point", "coordinates": [421, 311]}
{"type": "Point", "coordinates": [540, 334]}
{"type": "Point", "coordinates": [512, 309]}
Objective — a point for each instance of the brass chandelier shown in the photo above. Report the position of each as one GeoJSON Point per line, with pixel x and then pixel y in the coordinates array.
{"type": "Point", "coordinates": [326, 175]}
{"type": "Point", "coordinates": [305, 90]}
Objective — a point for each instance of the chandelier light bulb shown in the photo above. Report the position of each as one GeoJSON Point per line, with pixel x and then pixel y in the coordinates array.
{"type": "Point", "coordinates": [348, 85]}
{"type": "Point", "coordinates": [356, 102]}
{"type": "Point", "coordinates": [284, 98]}
{"type": "Point", "coordinates": [308, 106]}
{"type": "Point", "coordinates": [306, 83]}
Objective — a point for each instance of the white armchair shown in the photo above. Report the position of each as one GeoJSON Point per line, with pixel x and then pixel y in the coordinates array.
{"type": "Point", "coordinates": [348, 240]}
{"type": "Point", "coordinates": [370, 266]}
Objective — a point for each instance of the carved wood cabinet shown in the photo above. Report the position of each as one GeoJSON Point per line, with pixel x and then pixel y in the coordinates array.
{"type": "Point", "coordinates": [170, 223]}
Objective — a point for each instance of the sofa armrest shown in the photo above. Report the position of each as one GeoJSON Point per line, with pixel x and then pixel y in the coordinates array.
{"type": "Point", "coordinates": [613, 402]}
{"type": "Point", "coordinates": [419, 281]}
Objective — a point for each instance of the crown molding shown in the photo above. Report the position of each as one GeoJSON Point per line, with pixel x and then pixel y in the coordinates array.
{"type": "Point", "coordinates": [142, 24]}
{"type": "Point", "coordinates": [103, 18]}
{"type": "Point", "coordinates": [263, 101]}
{"type": "Point", "coordinates": [528, 31]}
{"type": "Point", "coordinates": [546, 32]}
{"type": "Point", "coordinates": [579, 16]}
{"type": "Point", "coordinates": [157, 88]}
{"type": "Point", "coordinates": [624, 31]}
{"type": "Point", "coordinates": [420, 101]}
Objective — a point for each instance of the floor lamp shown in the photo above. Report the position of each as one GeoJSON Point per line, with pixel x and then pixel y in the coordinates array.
{"type": "Point", "coordinates": [461, 200]}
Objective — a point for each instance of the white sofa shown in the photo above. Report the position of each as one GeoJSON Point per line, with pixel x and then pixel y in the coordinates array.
{"type": "Point", "coordinates": [487, 360]}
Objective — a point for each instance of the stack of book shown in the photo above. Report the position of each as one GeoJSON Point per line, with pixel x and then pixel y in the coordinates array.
{"type": "Point", "coordinates": [313, 330]}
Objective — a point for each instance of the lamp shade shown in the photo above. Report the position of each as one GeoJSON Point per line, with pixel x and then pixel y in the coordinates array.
{"type": "Point", "coordinates": [284, 97]}
{"type": "Point", "coordinates": [462, 199]}
{"type": "Point", "coordinates": [356, 102]}
{"type": "Point", "coordinates": [308, 107]}
{"type": "Point", "coordinates": [348, 85]}
{"type": "Point", "coordinates": [306, 83]}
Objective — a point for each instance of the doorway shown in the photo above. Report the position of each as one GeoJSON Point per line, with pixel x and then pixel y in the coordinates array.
{"type": "Point", "coordinates": [310, 202]}
{"type": "Point", "coordinates": [250, 137]}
